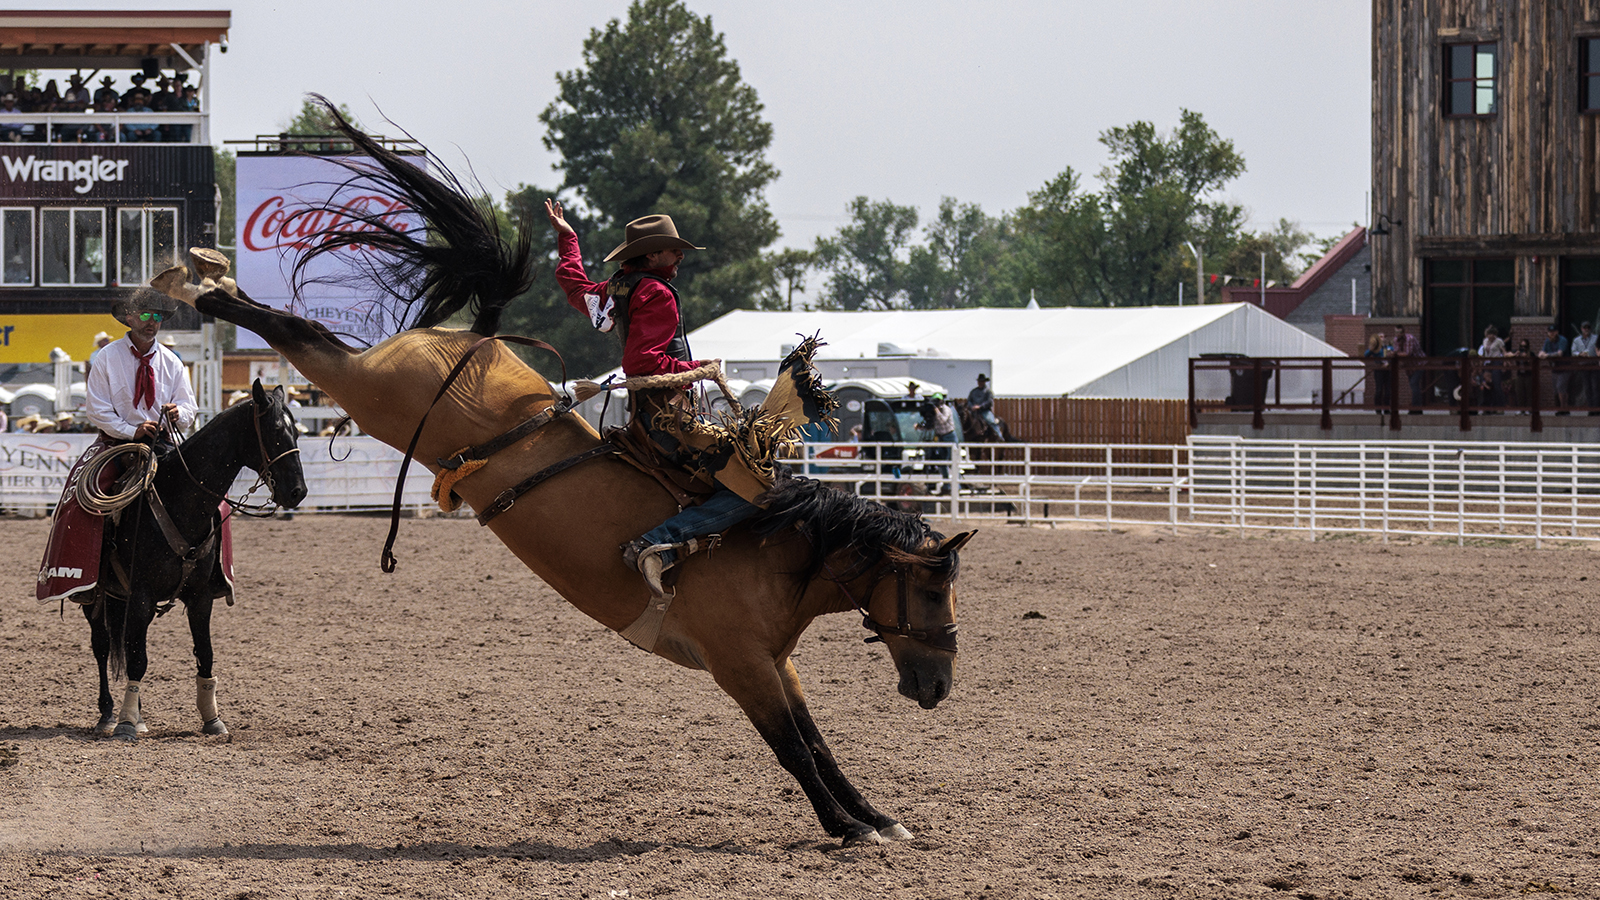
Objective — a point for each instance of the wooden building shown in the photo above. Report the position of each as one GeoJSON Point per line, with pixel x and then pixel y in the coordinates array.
{"type": "Point", "coordinates": [1485, 167]}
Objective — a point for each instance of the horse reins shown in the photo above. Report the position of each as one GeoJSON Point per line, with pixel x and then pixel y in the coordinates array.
{"type": "Point", "coordinates": [387, 561]}
{"type": "Point", "coordinates": [263, 475]}
{"type": "Point", "coordinates": [941, 638]}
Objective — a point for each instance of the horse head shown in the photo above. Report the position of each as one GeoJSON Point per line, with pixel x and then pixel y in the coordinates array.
{"type": "Point", "coordinates": [920, 602]}
{"type": "Point", "coordinates": [277, 439]}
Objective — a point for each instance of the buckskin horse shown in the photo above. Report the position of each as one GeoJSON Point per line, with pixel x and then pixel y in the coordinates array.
{"type": "Point", "coordinates": [559, 497]}
{"type": "Point", "coordinates": [166, 547]}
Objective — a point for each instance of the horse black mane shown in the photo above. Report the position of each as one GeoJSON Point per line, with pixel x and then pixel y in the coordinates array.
{"type": "Point", "coordinates": [833, 520]}
{"type": "Point", "coordinates": [461, 257]}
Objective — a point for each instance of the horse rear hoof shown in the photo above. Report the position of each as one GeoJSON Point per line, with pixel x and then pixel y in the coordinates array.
{"type": "Point", "coordinates": [215, 726]}
{"type": "Point", "coordinates": [895, 832]}
{"type": "Point", "coordinates": [105, 726]}
{"type": "Point", "coordinates": [125, 731]}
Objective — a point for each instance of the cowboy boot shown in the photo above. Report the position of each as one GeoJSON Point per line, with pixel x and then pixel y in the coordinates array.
{"type": "Point", "coordinates": [645, 558]}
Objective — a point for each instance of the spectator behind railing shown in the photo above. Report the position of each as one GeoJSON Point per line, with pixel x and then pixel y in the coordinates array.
{"type": "Point", "coordinates": [14, 132]}
{"type": "Point", "coordinates": [105, 91]}
{"type": "Point", "coordinates": [1555, 347]}
{"type": "Point", "coordinates": [138, 101]}
{"type": "Point", "coordinates": [77, 98]}
{"type": "Point", "coordinates": [1407, 345]}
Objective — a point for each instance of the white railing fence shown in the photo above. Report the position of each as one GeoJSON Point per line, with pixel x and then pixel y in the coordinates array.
{"type": "Point", "coordinates": [1516, 491]}
{"type": "Point", "coordinates": [1522, 491]}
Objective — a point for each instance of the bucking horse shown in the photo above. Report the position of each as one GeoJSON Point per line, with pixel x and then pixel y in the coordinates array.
{"type": "Point", "coordinates": [563, 499]}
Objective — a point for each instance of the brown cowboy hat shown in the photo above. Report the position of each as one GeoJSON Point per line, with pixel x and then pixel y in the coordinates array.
{"type": "Point", "coordinates": [141, 300]}
{"type": "Point", "coordinates": [647, 235]}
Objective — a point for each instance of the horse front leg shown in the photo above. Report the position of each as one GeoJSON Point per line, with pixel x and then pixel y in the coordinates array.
{"type": "Point", "coordinates": [838, 785]}
{"type": "Point", "coordinates": [759, 691]}
{"type": "Point", "coordinates": [97, 614]}
{"type": "Point", "coordinates": [138, 613]}
{"type": "Point", "coordinates": [205, 684]}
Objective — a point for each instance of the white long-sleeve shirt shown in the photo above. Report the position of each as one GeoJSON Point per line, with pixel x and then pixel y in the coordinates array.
{"type": "Point", "coordinates": [110, 389]}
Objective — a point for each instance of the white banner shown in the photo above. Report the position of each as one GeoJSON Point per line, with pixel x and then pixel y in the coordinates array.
{"type": "Point", "coordinates": [282, 203]}
{"type": "Point", "coordinates": [350, 474]}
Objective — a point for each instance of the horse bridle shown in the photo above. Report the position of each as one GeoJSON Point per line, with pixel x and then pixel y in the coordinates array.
{"type": "Point", "coordinates": [941, 638]}
{"type": "Point", "coordinates": [263, 475]}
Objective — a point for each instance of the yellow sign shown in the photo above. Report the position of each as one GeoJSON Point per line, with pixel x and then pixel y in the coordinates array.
{"type": "Point", "coordinates": [29, 339]}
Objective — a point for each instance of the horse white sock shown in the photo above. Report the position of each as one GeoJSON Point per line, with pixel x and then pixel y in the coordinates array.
{"type": "Point", "coordinates": [205, 698]}
{"type": "Point", "coordinates": [130, 704]}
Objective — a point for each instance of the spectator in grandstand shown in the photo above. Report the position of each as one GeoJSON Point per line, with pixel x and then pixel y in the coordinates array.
{"type": "Point", "coordinates": [106, 90]}
{"type": "Point", "coordinates": [12, 130]}
{"type": "Point", "coordinates": [138, 101]}
{"type": "Point", "coordinates": [1555, 347]}
{"type": "Point", "coordinates": [77, 98]}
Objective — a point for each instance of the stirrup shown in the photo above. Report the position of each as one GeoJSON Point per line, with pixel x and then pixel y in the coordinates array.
{"type": "Point", "coordinates": [645, 558]}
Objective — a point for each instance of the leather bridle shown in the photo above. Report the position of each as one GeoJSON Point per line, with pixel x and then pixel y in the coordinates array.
{"type": "Point", "coordinates": [263, 475]}
{"type": "Point", "coordinates": [941, 638]}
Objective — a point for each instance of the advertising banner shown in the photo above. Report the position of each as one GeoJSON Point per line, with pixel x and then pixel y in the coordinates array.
{"type": "Point", "coordinates": [29, 339]}
{"type": "Point", "coordinates": [282, 203]}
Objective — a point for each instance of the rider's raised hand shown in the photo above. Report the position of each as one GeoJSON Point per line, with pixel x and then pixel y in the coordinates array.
{"type": "Point", "coordinates": [552, 209]}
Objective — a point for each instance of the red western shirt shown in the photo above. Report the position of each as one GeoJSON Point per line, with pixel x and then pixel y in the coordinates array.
{"type": "Point", "coordinates": [652, 314]}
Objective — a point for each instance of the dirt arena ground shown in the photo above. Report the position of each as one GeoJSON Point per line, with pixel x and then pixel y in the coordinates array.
{"type": "Point", "coordinates": [1135, 715]}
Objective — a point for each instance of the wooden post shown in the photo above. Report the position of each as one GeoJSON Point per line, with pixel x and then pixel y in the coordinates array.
{"type": "Point", "coordinates": [1258, 421]}
{"type": "Point", "coordinates": [1463, 383]}
{"type": "Point", "coordinates": [1394, 393]}
{"type": "Point", "coordinates": [1327, 393]}
{"type": "Point", "coordinates": [1535, 423]}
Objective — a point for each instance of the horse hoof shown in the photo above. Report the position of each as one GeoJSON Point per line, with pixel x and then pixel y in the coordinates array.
{"type": "Point", "coordinates": [895, 832]}
{"type": "Point", "coordinates": [867, 837]}
{"type": "Point", "coordinates": [105, 725]}
{"type": "Point", "coordinates": [142, 728]}
{"type": "Point", "coordinates": [125, 731]}
{"type": "Point", "coordinates": [215, 726]}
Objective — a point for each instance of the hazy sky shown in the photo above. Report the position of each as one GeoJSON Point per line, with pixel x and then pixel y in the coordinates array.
{"type": "Point", "coordinates": [981, 101]}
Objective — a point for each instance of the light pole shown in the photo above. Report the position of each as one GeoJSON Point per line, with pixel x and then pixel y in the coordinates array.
{"type": "Point", "coordinates": [1199, 272]}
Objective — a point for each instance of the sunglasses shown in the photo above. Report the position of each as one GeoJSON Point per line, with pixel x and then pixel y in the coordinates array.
{"type": "Point", "coordinates": [149, 317]}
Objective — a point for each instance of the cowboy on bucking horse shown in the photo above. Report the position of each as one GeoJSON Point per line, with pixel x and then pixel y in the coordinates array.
{"type": "Point", "coordinates": [644, 306]}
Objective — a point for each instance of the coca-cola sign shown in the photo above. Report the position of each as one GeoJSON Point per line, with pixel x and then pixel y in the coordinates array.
{"type": "Point", "coordinates": [284, 204]}
{"type": "Point", "coordinates": [283, 222]}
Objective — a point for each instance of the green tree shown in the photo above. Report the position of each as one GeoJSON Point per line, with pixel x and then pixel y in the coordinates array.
{"type": "Point", "coordinates": [313, 121]}
{"type": "Point", "coordinates": [1124, 245]}
{"type": "Point", "coordinates": [867, 261]}
{"type": "Point", "coordinates": [658, 120]}
{"type": "Point", "coordinates": [963, 262]}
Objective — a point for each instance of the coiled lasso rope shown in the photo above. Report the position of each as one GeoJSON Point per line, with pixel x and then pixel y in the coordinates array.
{"type": "Point", "coordinates": [87, 491]}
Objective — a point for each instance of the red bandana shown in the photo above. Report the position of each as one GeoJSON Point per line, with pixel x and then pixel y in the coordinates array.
{"type": "Point", "coordinates": [144, 383]}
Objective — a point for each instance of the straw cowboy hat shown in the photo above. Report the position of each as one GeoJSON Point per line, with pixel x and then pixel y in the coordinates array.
{"type": "Point", "coordinates": [647, 235]}
{"type": "Point", "coordinates": [141, 300]}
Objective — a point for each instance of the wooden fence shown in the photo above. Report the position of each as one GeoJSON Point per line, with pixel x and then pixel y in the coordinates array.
{"type": "Point", "coordinates": [1069, 420]}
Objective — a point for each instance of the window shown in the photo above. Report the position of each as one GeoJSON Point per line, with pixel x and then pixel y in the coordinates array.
{"type": "Point", "coordinates": [146, 243]}
{"type": "Point", "coordinates": [1580, 293]}
{"type": "Point", "coordinates": [72, 246]}
{"type": "Point", "coordinates": [16, 246]}
{"type": "Point", "coordinates": [1589, 74]}
{"type": "Point", "coordinates": [1465, 296]}
{"type": "Point", "coordinates": [1469, 88]}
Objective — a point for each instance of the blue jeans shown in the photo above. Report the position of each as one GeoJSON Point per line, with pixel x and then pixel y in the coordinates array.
{"type": "Point", "coordinates": [721, 511]}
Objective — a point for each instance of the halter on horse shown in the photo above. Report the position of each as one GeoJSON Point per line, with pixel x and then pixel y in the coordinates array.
{"type": "Point", "coordinates": [166, 547]}
{"type": "Point", "coordinates": [739, 611]}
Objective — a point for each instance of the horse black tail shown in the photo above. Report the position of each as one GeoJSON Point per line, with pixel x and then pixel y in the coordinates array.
{"type": "Point", "coordinates": [461, 259]}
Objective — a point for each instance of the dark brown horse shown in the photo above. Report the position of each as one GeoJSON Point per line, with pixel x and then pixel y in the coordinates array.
{"type": "Point", "coordinates": [738, 612]}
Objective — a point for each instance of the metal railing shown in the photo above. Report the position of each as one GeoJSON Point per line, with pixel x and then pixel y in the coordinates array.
{"type": "Point", "coordinates": [1452, 490]}
{"type": "Point", "coordinates": [1463, 386]}
{"type": "Point", "coordinates": [85, 127]}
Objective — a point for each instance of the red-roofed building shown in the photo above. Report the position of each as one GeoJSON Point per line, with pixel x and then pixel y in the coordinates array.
{"type": "Point", "coordinates": [1337, 285]}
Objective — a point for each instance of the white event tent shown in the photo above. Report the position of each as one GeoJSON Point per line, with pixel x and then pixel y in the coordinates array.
{"type": "Point", "coordinates": [1056, 352]}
